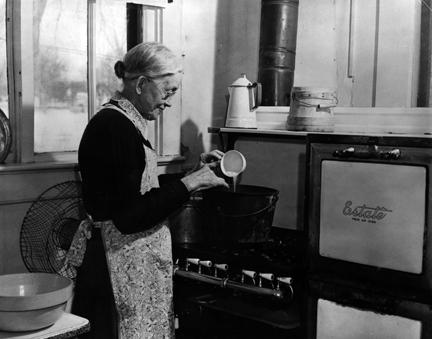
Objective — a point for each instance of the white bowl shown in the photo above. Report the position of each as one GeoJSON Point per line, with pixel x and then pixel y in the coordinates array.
{"type": "Point", "coordinates": [31, 301]}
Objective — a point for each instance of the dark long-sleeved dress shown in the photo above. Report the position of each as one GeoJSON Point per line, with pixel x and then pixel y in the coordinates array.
{"type": "Point", "coordinates": [112, 159]}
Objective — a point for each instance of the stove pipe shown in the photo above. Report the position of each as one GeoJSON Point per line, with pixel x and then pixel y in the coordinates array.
{"type": "Point", "coordinates": [278, 37]}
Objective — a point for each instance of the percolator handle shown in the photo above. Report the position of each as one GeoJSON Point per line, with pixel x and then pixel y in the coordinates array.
{"type": "Point", "coordinates": [258, 95]}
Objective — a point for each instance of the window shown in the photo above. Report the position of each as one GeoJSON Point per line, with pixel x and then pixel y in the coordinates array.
{"type": "Point", "coordinates": [110, 46]}
{"type": "Point", "coordinates": [146, 25]}
{"type": "Point", "coordinates": [149, 22]}
{"type": "Point", "coordinates": [61, 62]}
{"type": "Point", "coordinates": [377, 53]}
{"type": "Point", "coordinates": [60, 74]}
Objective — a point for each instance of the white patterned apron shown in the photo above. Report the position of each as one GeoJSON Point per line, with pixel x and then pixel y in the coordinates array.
{"type": "Point", "coordinates": [140, 264]}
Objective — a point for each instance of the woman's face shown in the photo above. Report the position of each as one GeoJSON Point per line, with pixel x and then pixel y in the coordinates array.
{"type": "Point", "coordinates": [156, 94]}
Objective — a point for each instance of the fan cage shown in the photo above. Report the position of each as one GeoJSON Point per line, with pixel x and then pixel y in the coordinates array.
{"type": "Point", "coordinates": [49, 226]}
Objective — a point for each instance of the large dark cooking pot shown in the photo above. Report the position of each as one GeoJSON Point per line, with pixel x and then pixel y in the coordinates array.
{"type": "Point", "coordinates": [243, 216]}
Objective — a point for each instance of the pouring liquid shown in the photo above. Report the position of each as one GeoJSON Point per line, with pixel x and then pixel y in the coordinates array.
{"type": "Point", "coordinates": [234, 176]}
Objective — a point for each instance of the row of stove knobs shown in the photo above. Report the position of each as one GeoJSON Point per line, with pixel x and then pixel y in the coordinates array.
{"type": "Point", "coordinates": [207, 264]}
{"type": "Point", "coordinates": [275, 282]}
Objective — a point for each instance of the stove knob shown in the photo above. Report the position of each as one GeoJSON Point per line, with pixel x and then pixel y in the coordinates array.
{"type": "Point", "coordinates": [194, 261]}
{"type": "Point", "coordinates": [266, 276]}
{"type": "Point", "coordinates": [250, 274]}
{"type": "Point", "coordinates": [206, 263]}
{"type": "Point", "coordinates": [221, 267]}
{"type": "Point", "coordinates": [286, 281]}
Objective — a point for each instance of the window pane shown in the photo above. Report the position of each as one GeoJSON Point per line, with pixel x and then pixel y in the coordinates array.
{"type": "Point", "coordinates": [152, 31]}
{"type": "Point", "coordinates": [3, 63]}
{"type": "Point", "coordinates": [151, 24]}
{"type": "Point", "coordinates": [110, 46]}
{"type": "Point", "coordinates": [60, 73]}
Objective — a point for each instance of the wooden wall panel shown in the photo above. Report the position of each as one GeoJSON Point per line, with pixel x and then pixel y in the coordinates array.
{"type": "Point", "coordinates": [364, 40]}
{"type": "Point", "coordinates": [16, 187]}
{"type": "Point", "coordinates": [398, 53]}
{"type": "Point", "coordinates": [316, 44]}
{"type": "Point", "coordinates": [11, 217]}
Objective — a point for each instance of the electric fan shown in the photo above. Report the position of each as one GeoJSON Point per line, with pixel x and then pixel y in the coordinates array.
{"type": "Point", "coordinates": [49, 226]}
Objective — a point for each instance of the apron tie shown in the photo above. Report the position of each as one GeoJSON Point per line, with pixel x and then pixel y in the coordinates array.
{"type": "Point", "coordinates": [77, 249]}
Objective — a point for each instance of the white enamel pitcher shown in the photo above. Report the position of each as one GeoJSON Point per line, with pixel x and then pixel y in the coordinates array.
{"type": "Point", "coordinates": [244, 98]}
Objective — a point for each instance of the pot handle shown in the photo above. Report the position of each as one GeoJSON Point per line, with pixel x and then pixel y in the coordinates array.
{"type": "Point", "coordinates": [268, 207]}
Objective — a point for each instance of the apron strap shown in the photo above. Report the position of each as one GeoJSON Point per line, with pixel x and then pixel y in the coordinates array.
{"type": "Point", "coordinates": [112, 105]}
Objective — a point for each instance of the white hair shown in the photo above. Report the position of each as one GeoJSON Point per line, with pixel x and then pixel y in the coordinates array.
{"type": "Point", "coordinates": [150, 59]}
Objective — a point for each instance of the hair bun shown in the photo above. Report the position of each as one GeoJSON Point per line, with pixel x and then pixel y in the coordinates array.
{"type": "Point", "coordinates": [119, 69]}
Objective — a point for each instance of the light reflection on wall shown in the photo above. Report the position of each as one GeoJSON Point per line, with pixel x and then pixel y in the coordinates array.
{"type": "Point", "coordinates": [3, 66]}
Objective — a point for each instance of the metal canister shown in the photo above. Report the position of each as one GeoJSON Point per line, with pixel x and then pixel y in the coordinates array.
{"type": "Point", "coordinates": [278, 39]}
{"type": "Point", "coordinates": [187, 224]}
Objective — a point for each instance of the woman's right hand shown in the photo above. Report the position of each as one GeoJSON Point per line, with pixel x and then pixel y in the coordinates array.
{"type": "Point", "coordinates": [202, 179]}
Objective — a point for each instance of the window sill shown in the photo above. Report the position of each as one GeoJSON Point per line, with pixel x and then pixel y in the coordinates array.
{"type": "Point", "coordinates": [38, 167]}
{"type": "Point", "coordinates": [165, 160]}
{"type": "Point", "coordinates": [302, 134]}
{"type": "Point", "coordinates": [348, 120]}
{"type": "Point", "coordinates": [69, 164]}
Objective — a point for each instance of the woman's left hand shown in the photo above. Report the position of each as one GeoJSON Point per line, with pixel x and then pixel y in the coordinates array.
{"type": "Point", "coordinates": [212, 158]}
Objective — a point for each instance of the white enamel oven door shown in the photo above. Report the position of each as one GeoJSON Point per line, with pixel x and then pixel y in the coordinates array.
{"type": "Point", "coordinates": [373, 214]}
{"type": "Point", "coordinates": [340, 312]}
{"type": "Point", "coordinates": [368, 210]}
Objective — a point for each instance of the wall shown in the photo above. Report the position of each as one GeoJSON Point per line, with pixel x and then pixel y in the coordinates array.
{"type": "Point", "coordinates": [279, 163]}
{"type": "Point", "coordinates": [316, 48]}
{"type": "Point", "coordinates": [18, 189]}
{"type": "Point", "coordinates": [221, 41]}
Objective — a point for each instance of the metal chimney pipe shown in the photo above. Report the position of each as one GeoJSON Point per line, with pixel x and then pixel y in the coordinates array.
{"type": "Point", "coordinates": [278, 38]}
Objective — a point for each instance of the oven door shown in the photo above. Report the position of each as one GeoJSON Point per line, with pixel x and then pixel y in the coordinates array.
{"type": "Point", "coordinates": [368, 210]}
{"type": "Point", "coordinates": [340, 312]}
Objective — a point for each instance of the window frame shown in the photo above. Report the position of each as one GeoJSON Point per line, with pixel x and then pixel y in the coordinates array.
{"type": "Point", "coordinates": [19, 42]}
{"type": "Point", "coordinates": [318, 59]}
{"type": "Point", "coordinates": [19, 39]}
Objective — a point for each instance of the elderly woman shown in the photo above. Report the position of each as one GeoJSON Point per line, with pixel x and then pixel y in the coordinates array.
{"type": "Point", "coordinates": [124, 283]}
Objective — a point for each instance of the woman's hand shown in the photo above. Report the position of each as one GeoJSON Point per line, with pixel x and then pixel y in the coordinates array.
{"type": "Point", "coordinates": [212, 158]}
{"type": "Point", "coordinates": [202, 179]}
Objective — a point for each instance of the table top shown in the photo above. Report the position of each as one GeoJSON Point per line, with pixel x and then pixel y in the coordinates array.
{"type": "Point", "coordinates": [68, 326]}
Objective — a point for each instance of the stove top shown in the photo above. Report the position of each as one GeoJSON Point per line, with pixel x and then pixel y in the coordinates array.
{"type": "Point", "coordinates": [260, 282]}
{"type": "Point", "coordinates": [271, 269]}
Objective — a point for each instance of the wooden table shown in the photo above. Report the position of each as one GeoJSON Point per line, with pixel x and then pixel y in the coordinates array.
{"type": "Point", "coordinates": [68, 326]}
